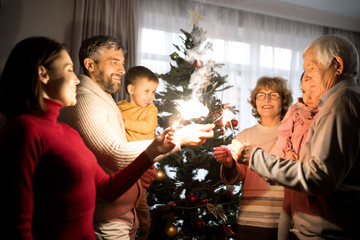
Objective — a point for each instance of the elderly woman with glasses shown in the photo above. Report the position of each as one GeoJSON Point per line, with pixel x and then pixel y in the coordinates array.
{"type": "Point", "coordinates": [261, 201]}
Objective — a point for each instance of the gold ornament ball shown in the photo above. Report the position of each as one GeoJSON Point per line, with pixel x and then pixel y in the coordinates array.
{"type": "Point", "coordinates": [160, 175]}
{"type": "Point", "coordinates": [171, 230]}
{"type": "Point", "coordinates": [174, 56]}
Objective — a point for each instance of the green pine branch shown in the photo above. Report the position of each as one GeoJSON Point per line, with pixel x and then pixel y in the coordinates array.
{"type": "Point", "coordinates": [169, 199]}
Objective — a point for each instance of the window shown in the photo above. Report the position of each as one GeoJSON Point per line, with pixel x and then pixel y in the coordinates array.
{"type": "Point", "coordinates": [274, 57]}
{"type": "Point", "coordinates": [236, 57]}
{"type": "Point", "coordinates": [248, 45]}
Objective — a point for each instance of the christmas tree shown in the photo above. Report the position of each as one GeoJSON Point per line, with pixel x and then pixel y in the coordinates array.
{"type": "Point", "coordinates": [188, 199]}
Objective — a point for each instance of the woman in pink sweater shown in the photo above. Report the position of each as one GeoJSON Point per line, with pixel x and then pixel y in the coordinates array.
{"type": "Point", "coordinates": [53, 178]}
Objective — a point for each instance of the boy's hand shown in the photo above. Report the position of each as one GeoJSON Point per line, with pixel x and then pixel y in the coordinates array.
{"type": "Point", "coordinates": [194, 134]}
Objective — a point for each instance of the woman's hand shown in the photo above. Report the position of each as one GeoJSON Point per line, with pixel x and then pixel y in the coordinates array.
{"type": "Point", "coordinates": [241, 151]}
{"type": "Point", "coordinates": [162, 143]}
{"type": "Point", "coordinates": [194, 134]}
{"type": "Point", "coordinates": [223, 156]}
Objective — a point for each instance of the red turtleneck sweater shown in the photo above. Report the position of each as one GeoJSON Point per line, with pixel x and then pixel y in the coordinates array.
{"type": "Point", "coordinates": [50, 178]}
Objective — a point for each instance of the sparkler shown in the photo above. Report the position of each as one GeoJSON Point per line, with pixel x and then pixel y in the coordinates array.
{"type": "Point", "coordinates": [200, 79]}
{"type": "Point", "coordinates": [189, 110]}
{"type": "Point", "coordinates": [225, 117]}
{"type": "Point", "coordinates": [192, 109]}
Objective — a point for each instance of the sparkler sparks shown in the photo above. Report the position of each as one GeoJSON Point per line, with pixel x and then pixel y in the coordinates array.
{"type": "Point", "coordinates": [200, 79]}
{"type": "Point", "coordinates": [192, 109]}
{"type": "Point", "coordinates": [226, 116]}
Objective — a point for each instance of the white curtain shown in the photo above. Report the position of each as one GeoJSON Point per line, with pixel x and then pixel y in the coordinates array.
{"type": "Point", "coordinates": [352, 36]}
{"type": "Point", "coordinates": [249, 45]}
{"type": "Point", "coordinates": [276, 50]}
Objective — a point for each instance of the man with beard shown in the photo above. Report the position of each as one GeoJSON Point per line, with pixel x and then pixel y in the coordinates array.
{"type": "Point", "coordinates": [98, 120]}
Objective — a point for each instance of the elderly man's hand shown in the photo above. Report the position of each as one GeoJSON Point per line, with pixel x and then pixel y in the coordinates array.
{"type": "Point", "coordinates": [241, 151]}
{"type": "Point", "coordinates": [194, 134]}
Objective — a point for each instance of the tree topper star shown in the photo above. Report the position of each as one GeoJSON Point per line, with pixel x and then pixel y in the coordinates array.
{"type": "Point", "coordinates": [195, 17]}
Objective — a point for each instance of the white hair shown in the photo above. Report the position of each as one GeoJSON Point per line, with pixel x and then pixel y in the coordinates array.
{"type": "Point", "coordinates": [327, 47]}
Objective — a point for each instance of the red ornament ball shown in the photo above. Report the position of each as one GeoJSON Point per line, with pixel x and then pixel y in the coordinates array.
{"type": "Point", "coordinates": [234, 122]}
{"type": "Point", "coordinates": [200, 224]}
{"type": "Point", "coordinates": [204, 201]}
{"type": "Point", "coordinates": [198, 64]}
{"type": "Point", "coordinates": [231, 194]}
{"type": "Point", "coordinates": [192, 198]}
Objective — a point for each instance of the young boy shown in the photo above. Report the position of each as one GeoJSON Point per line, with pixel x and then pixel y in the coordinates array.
{"type": "Point", "coordinates": [140, 120]}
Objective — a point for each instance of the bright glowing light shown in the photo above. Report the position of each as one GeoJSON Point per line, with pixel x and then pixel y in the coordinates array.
{"type": "Point", "coordinates": [192, 109]}
{"type": "Point", "coordinates": [176, 124]}
{"type": "Point", "coordinates": [226, 116]}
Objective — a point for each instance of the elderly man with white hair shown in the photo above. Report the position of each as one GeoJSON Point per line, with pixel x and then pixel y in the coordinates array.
{"type": "Point", "coordinates": [326, 178]}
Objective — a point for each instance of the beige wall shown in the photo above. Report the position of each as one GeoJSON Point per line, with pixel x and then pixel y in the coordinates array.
{"type": "Point", "coordinates": [24, 18]}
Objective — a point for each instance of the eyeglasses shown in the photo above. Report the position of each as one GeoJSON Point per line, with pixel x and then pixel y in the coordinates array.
{"type": "Point", "coordinates": [261, 96]}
